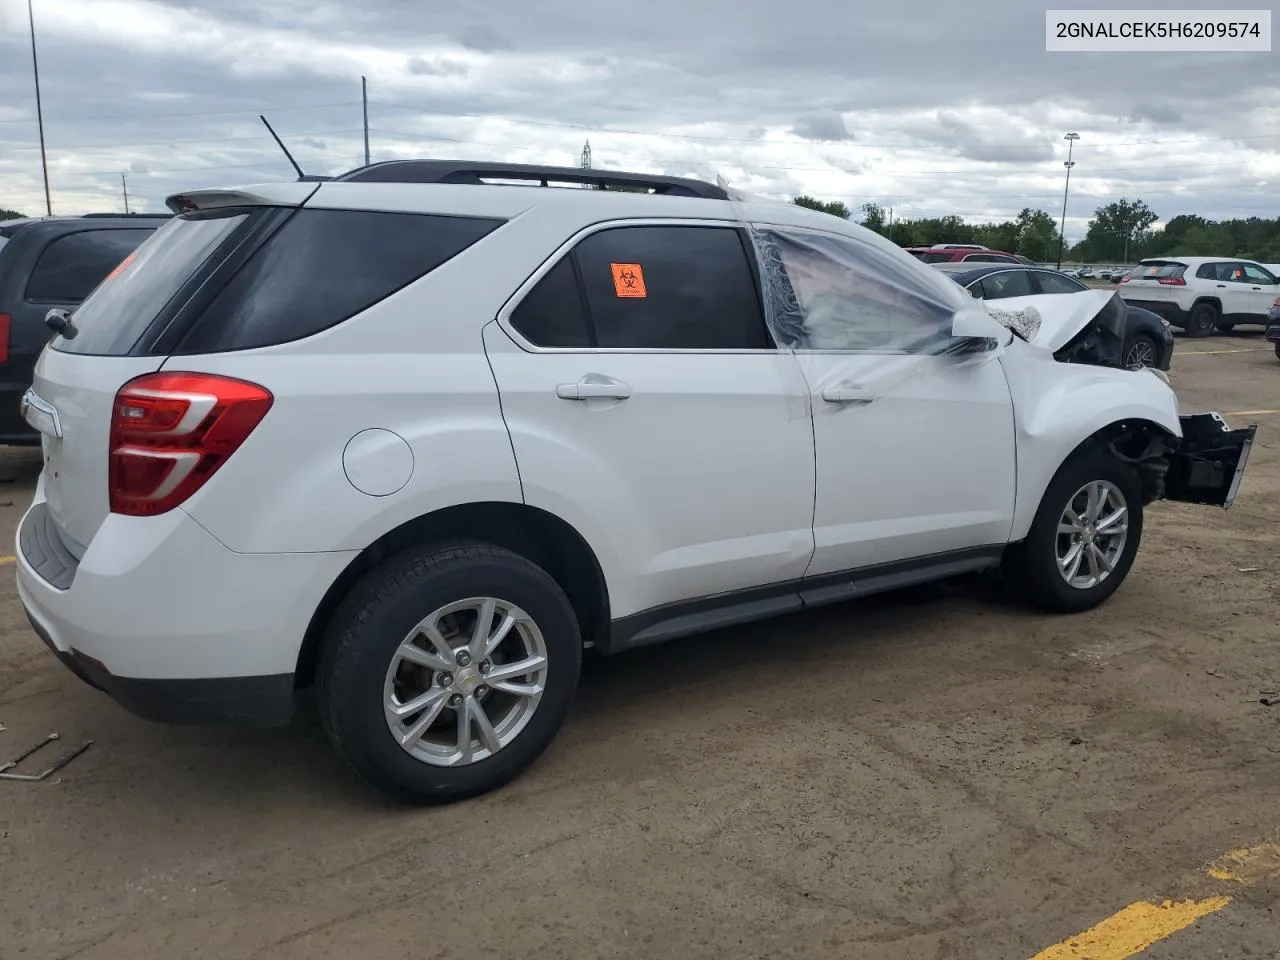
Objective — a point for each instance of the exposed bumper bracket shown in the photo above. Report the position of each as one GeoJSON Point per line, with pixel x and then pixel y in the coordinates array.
{"type": "Point", "coordinates": [1209, 464]}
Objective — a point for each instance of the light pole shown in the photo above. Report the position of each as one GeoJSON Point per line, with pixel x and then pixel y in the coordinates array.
{"type": "Point", "coordinates": [35, 69]}
{"type": "Point", "coordinates": [1071, 139]}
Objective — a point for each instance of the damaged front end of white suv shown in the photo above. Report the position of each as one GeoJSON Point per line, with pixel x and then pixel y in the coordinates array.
{"type": "Point", "coordinates": [1204, 463]}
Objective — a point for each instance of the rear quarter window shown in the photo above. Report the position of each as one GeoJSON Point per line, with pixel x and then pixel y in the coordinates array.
{"type": "Point", "coordinates": [323, 267]}
{"type": "Point", "coordinates": [71, 266]}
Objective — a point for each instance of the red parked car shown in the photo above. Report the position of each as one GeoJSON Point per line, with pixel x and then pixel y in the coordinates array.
{"type": "Point", "coordinates": [964, 253]}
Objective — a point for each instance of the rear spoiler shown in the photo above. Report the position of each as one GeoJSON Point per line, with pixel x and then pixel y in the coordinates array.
{"type": "Point", "coordinates": [258, 195]}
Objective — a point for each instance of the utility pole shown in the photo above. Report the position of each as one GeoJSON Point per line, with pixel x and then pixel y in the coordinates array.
{"type": "Point", "coordinates": [1071, 139]}
{"type": "Point", "coordinates": [35, 70]}
{"type": "Point", "coordinates": [364, 97]}
{"type": "Point", "coordinates": [891, 223]}
{"type": "Point", "coordinates": [124, 185]}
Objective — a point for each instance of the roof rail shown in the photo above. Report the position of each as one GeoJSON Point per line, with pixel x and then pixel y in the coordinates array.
{"type": "Point", "coordinates": [475, 172]}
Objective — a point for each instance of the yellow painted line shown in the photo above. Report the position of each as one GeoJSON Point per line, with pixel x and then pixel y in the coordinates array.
{"type": "Point", "coordinates": [7, 560]}
{"type": "Point", "coordinates": [1132, 930]}
{"type": "Point", "coordinates": [1210, 353]}
{"type": "Point", "coordinates": [1142, 924]}
{"type": "Point", "coordinates": [1250, 413]}
{"type": "Point", "coordinates": [1249, 865]}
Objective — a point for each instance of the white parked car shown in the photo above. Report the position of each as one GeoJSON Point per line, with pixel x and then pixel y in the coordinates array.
{"type": "Point", "coordinates": [418, 439]}
{"type": "Point", "coordinates": [1202, 294]}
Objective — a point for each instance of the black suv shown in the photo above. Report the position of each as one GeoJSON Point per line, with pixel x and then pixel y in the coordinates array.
{"type": "Point", "coordinates": [45, 263]}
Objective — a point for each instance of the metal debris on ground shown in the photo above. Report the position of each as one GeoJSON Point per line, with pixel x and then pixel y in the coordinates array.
{"type": "Point", "coordinates": [1269, 698]}
{"type": "Point", "coordinates": [57, 765]}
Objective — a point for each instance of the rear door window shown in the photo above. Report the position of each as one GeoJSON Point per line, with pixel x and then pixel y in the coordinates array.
{"type": "Point", "coordinates": [323, 267]}
{"type": "Point", "coordinates": [552, 314]}
{"type": "Point", "coordinates": [70, 267]}
{"type": "Point", "coordinates": [1007, 283]}
{"type": "Point", "coordinates": [1057, 283]}
{"type": "Point", "coordinates": [671, 288]}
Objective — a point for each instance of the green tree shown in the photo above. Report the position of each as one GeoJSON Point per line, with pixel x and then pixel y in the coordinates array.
{"type": "Point", "coordinates": [834, 207]}
{"type": "Point", "coordinates": [10, 215]}
{"type": "Point", "coordinates": [1037, 235]}
{"type": "Point", "coordinates": [874, 217]}
{"type": "Point", "coordinates": [1117, 225]}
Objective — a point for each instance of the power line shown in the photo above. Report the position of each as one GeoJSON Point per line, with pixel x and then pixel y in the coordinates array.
{"type": "Point", "coordinates": [756, 140]}
{"type": "Point", "coordinates": [193, 113]}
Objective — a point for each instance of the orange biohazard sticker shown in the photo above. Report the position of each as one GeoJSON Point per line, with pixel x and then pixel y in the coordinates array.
{"type": "Point", "coordinates": [628, 280]}
{"type": "Point", "coordinates": [120, 267]}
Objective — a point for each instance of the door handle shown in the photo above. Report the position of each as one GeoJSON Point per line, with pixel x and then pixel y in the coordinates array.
{"type": "Point", "coordinates": [594, 387]}
{"type": "Point", "coordinates": [847, 393]}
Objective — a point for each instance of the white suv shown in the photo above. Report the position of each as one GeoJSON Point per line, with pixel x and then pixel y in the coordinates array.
{"type": "Point", "coordinates": [1202, 294]}
{"type": "Point", "coordinates": [417, 439]}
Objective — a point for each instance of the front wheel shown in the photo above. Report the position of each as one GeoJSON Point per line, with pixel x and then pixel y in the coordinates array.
{"type": "Point", "coordinates": [1084, 537]}
{"type": "Point", "coordinates": [448, 670]}
{"type": "Point", "coordinates": [1140, 352]}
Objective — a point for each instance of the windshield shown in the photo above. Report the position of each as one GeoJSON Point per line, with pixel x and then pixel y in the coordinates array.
{"type": "Point", "coordinates": [118, 312]}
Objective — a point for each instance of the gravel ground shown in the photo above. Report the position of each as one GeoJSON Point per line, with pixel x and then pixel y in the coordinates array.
{"type": "Point", "coordinates": [934, 774]}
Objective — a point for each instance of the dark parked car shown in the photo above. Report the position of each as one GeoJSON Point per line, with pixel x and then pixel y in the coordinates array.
{"type": "Point", "coordinates": [1273, 326]}
{"type": "Point", "coordinates": [47, 263]}
{"type": "Point", "coordinates": [1148, 341]}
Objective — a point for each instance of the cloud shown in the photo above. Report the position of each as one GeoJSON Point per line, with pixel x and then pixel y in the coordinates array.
{"type": "Point", "coordinates": [922, 107]}
{"type": "Point", "coordinates": [1155, 112]}
{"type": "Point", "coordinates": [821, 125]}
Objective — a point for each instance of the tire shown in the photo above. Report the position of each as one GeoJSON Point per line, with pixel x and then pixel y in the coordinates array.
{"type": "Point", "coordinates": [1224, 327]}
{"type": "Point", "coordinates": [1033, 563]}
{"type": "Point", "coordinates": [1278, 351]}
{"type": "Point", "coordinates": [1202, 320]}
{"type": "Point", "coordinates": [1140, 348]}
{"type": "Point", "coordinates": [361, 667]}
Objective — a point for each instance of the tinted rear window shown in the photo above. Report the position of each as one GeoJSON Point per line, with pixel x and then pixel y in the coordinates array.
{"type": "Point", "coordinates": [70, 267]}
{"type": "Point", "coordinates": [322, 267]}
{"type": "Point", "coordinates": [1154, 271]}
{"type": "Point", "coordinates": [935, 257]}
{"type": "Point", "coordinates": [115, 317]}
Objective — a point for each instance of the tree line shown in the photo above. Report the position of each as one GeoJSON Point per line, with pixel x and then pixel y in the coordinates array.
{"type": "Point", "coordinates": [1118, 232]}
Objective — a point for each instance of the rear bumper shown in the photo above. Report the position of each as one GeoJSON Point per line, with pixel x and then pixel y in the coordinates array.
{"type": "Point", "coordinates": [1163, 308]}
{"type": "Point", "coordinates": [252, 701]}
{"type": "Point", "coordinates": [169, 622]}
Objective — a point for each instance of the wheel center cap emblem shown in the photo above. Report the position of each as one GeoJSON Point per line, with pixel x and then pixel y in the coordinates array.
{"type": "Point", "coordinates": [466, 680]}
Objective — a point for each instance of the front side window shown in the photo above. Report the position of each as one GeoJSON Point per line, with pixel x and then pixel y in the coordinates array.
{"type": "Point", "coordinates": [1254, 274]}
{"type": "Point", "coordinates": [833, 293]}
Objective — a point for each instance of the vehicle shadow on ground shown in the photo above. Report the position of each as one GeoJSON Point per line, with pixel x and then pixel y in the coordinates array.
{"type": "Point", "coordinates": [217, 767]}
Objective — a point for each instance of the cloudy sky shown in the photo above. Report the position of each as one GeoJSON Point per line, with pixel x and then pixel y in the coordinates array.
{"type": "Point", "coordinates": [928, 107]}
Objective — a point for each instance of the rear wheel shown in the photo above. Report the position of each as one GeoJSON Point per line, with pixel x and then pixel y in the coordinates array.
{"type": "Point", "coordinates": [1225, 327]}
{"type": "Point", "coordinates": [1140, 352]}
{"type": "Point", "coordinates": [1085, 535]}
{"type": "Point", "coordinates": [448, 670]}
{"type": "Point", "coordinates": [1202, 321]}
{"type": "Point", "coordinates": [1278, 351]}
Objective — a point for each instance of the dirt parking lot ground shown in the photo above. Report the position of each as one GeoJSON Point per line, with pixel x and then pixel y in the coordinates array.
{"type": "Point", "coordinates": [933, 775]}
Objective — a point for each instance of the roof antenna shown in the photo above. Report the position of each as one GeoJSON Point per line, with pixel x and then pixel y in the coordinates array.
{"type": "Point", "coordinates": [301, 175]}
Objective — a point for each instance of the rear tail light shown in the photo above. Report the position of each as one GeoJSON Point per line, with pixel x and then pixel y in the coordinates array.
{"type": "Point", "coordinates": [5, 320]}
{"type": "Point", "coordinates": [1172, 281]}
{"type": "Point", "coordinates": [1124, 279]}
{"type": "Point", "coordinates": [1277, 302]}
{"type": "Point", "coordinates": [170, 432]}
